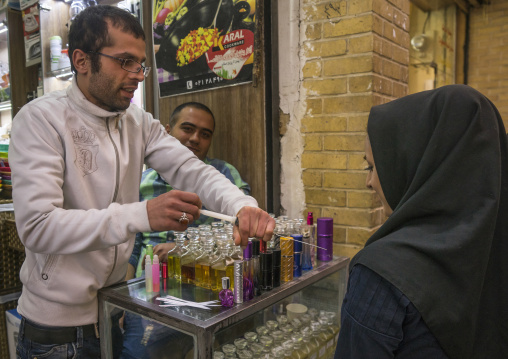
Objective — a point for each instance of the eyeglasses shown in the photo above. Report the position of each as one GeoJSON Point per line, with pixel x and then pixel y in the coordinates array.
{"type": "Point", "coordinates": [127, 64]}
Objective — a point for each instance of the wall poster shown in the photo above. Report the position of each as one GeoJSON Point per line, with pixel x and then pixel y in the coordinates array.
{"type": "Point", "coordinates": [203, 44]}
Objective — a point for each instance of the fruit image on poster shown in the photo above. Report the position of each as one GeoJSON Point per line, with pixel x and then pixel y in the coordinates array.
{"type": "Point", "coordinates": [203, 44]}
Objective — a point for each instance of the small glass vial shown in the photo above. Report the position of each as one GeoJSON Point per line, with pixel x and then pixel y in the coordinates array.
{"type": "Point", "coordinates": [296, 324]}
{"type": "Point", "coordinates": [309, 344]}
{"type": "Point", "coordinates": [267, 343]}
{"type": "Point", "coordinates": [240, 344]}
{"type": "Point", "coordinates": [313, 312]}
{"type": "Point", "coordinates": [229, 350]}
{"type": "Point", "coordinates": [287, 330]}
{"type": "Point", "coordinates": [256, 349]}
{"type": "Point", "coordinates": [226, 296]}
{"type": "Point", "coordinates": [288, 349]}
{"type": "Point", "coordinates": [174, 255]}
{"type": "Point", "coordinates": [278, 352]}
{"type": "Point", "coordinates": [278, 337]}
{"type": "Point", "coordinates": [244, 354]}
{"type": "Point", "coordinates": [300, 350]}
{"type": "Point", "coordinates": [262, 330]}
{"type": "Point", "coordinates": [305, 319]}
{"type": "Point", "coordinates": [272, 325]}
{"type": "Point", "coordinates": [251, 337]}
{"type": "Point", "coordinates": [282, 319]}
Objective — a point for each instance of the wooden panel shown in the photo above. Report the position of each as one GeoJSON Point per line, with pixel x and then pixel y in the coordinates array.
{"type": "Point", "coordinates": [23, 79]}
{"type": "Point", "coordinates": [245, 117]}
{"type": "Point", "coordinates": [239, 136]}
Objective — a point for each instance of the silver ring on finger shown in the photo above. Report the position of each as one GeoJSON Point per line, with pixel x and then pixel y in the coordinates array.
{"type": "Point", "coordinates": [184, 219]}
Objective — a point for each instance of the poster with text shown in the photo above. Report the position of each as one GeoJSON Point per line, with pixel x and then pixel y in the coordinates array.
{"type": "Point", "coordinates": [203, 44]}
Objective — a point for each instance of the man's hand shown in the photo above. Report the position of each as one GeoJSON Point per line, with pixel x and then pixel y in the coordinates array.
{"type": "Point", "coordinates": [162, 250]}
{"type": "Point", "coordinates": [253, 222]}
{"type": "Point", "coordinates": [165, 211]}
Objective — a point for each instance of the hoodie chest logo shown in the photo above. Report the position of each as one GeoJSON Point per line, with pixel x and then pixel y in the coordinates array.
{"type": "Point", "coordinates": [86, 149]}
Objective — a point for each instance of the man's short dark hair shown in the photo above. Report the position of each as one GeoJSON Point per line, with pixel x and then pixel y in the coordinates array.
{"type": "Point", "coordinates": [89, 30]}
{"type": "Point", "coordinates": [199, 106]}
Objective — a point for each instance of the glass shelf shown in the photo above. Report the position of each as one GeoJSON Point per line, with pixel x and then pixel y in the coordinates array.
{"type": "Point", "coordinates": [205, 330]}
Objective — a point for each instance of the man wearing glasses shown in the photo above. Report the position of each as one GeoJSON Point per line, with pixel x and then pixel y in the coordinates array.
{"type": "Point", "coordinates": [77, 157]}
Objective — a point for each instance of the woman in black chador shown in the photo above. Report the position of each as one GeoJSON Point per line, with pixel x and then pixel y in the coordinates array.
{"type": "Point", "coordinates": [432, 282]}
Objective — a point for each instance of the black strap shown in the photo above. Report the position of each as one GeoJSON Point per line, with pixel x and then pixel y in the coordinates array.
{"type": "Point", "coordinates": [50, 336]}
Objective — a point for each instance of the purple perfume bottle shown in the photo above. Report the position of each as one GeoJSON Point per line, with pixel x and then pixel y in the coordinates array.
{"type": "Point", "coordinates": [248, 282]}
{"type": "Point", "coordinates": [226, 296]}
{"type": "Point", "coordinates": [325, 239]}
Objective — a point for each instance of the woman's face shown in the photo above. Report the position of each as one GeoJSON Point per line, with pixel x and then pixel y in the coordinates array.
{"type": "Point", "coordinates": [373, 179]}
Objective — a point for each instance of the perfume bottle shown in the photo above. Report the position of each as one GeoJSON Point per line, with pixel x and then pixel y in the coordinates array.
{"type": "Point", "coordinates": [308, 344]}
{"type": "Point", "coordinates": [174, 256]}
{"type": "Point", "coordinates": [286, 247]}
{"type": "Point", "coordinates": [277, 258]}
{"type": "Point", "coordinates": [148, 274]}
{"type": "Point", "coordinates": [226, 295]}
{"type": "Point", "coordinates": [300, 350]}
{"type": "Point", "coordinates": [306, 251]}
{"type": "Point", "coordinates": [297, 255]}
{"type": "Point", "coordinates": [236, 252]}
{"type": "Point", "coordinates": [310, 223]}
{"type": "Point", "coordinates": [248, 280]}
{"type": "Point", "coordinates": [327, 336]}
{"type": "Point", "coordinates": [319, 338]}
{"type": "Point", "coordinates": [256, 271]}
{"type": "Point", "coordinates": [229, 350]}
{"type": "Point", "coordinates": [203, 265]}
{"type": "Point", "coordinates": [266, 265]}
{"type": "Point", "coordinates": [325, 239]}
{"type": "Point", "coordinates": [149, 251]}
{"type": "Point", "coordinates": [221, 267]}
{"type": "Point", "coordinates": [156, 279]}
{"type": "Point", "coordinates": [188, 261]}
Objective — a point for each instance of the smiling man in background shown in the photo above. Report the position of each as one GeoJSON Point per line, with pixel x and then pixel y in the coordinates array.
{"type": "Point", "coordinates": [193, 124]}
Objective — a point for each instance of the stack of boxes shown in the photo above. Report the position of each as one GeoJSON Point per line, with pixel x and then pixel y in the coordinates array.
{"type": "Point", "coordinates": [12, 256]}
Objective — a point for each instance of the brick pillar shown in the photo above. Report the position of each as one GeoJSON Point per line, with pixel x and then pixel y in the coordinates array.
{"type": "Point", "coordinates": [355, 55]}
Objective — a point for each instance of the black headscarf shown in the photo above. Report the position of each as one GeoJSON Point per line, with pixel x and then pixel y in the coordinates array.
{"type": "Point", "coordinates": [441, 157]}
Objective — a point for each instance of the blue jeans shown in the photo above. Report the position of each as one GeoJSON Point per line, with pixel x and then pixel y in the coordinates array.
{"type": "Point", "coordinates": [144, 338]}
{"type": "Point", "coordinates": [81, 348]}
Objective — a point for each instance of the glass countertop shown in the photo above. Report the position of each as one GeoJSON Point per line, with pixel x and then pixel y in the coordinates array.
{"type": "Point", "coordinates": [136, 291]}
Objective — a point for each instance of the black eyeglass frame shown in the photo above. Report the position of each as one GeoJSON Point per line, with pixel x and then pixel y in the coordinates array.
{"type": "Point", "coordinates": [146, 69]}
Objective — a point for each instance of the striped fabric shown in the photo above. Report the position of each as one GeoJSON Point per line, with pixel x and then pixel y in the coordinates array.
{"type": "Point", "coordinates": [153, 185]}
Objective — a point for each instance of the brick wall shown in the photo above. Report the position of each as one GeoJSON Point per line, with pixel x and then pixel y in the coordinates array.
{"type": "Point", "coordinates": [355, 56]}
{"type": "Point", "coordinates": [488, 53]}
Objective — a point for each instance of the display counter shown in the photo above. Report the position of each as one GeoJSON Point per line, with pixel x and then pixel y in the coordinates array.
{"type": "Point", "coordinates": [186, 332]}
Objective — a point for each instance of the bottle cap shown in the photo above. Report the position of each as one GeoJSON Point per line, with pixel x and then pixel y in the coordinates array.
{"type": "Point", "coordinates": [297, 243]}
{"type": "Point", "coordinates": [255, 246]}
{"type": "Point", "coordinates": [149, 250]}
{"type": "Point", "coordinates": [325, 226]}
{"type": "Point", "coordinates": [247, 252]}
{"type": "Point", "coordinates": [310, 219]}
{"type": "Point", "coordinates": [226, 282]}
{"type": "Point", "coordinates": [155, 259]}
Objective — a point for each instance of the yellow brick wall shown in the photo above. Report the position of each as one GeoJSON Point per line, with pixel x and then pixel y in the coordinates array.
{"type": "Point", "coordinates": [356, 56]}
{"type": "Point", "coordinates": [488, 53]}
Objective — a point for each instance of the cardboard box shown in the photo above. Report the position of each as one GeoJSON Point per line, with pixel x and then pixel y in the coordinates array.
{"type": "Point", "coordinates": [12, 321]}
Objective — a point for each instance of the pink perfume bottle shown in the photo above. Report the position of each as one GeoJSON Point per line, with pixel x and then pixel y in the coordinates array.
{"type": "Point", "coordinates": [226, 295]}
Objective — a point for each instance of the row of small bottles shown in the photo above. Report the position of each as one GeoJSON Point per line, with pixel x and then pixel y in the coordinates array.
{"type": "Point", "coordinates": [211, 255]}
{"type": "Point", "coordinates": [311, 336]}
